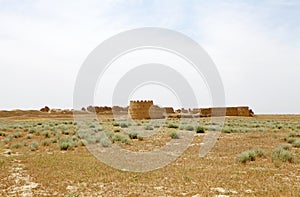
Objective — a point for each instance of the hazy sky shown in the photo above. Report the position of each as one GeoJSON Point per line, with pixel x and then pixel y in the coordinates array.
{"type": "Point", "coordinates": [254, 44]}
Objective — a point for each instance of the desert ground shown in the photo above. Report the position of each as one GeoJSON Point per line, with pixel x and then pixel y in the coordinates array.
{"type": "Point", "coordinates": [45, 155]}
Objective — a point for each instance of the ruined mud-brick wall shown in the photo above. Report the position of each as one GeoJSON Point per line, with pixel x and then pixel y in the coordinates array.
{"type": "Point", "coordinates": [230, 111]}
{"type": "Point", "coordinates": [156, 112]}
{"type": "Point", "coordinates": [169, 110]}
{"type": "Point", "coordinates": [98, 109]}
{"type": "Point", "coordinates": [244, 111]}
{"type": "Point", "coordinates": [140, 109]}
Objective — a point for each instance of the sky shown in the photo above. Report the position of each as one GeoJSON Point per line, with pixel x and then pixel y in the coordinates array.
{"type": "Point", "coordinates": [255, 46]}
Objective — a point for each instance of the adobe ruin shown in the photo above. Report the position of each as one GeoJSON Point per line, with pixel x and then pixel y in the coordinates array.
{"type": "Point", "coordinates": [146, 110]}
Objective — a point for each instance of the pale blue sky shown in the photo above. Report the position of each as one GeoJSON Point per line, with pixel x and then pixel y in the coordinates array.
{"type": "Point", "coordinates": [254, 44]}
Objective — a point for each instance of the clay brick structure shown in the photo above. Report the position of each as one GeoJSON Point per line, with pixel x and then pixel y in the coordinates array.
{"type": "Point", "coordinates": [230, 111]}
{"type": "Point", "coordinates": [169, 110]}
{"type": "Point", "coordinates": [145, 110]}
{"type": "Point", "coordinates": [156, 112]}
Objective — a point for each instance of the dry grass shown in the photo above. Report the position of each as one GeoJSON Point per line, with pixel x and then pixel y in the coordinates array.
{"type": "Point", "coordinates": [77, 172]}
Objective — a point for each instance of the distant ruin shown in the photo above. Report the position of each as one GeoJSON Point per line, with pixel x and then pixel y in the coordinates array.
{"type": "Point", "coordinates": [145, 110]}
{"type": "Point", "coordinates": [227, 111]}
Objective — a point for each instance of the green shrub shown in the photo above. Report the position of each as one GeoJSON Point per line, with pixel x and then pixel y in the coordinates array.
{"type": "Point", "coordinates": [63, 128]}
{"type": "Point", "coordinates": [123, 125]}
{"type": "Point", "coordinates": [46, 142]}
{"type": "Point", "coordinates": [66, 132]}
{"type": "Point", "coordinates": [2, 134]}
{"type": "Point", "coordinates": [292, 134]}
{"type": "Point", "coordinates": [174, 135]}
{"type": "Point", "coordinates": [140, 138]}
{"type": "Point", "coordinates": [17, 135]}
{"type": "Point", "coordinates": [148, 127]}
{"type": "Point", "coordinates": [291, 140]}
{"type": "Point", "coordinates": [116, 124]}
{"type": "Point", "coordinates": [7, 139]}
{"type": "Point", "coordinates": [32, 130]}
{"type": "Point", "coordinates": [286, 146]}
{"type": "Point", "coordinates": [259, 153]}
{"type": "Point", "coordinates": [200, 129]}
{"type": "Point", "coordinates": [105, 142]}
{"type": "Point", "coordinates": [117, 130]}
{"type": "Point", "coordinates": [46, 134]}
{"type": "Point", "coordinates": [92, 126]}
{"type": "Point", "coordinates": [17, 145]}
{"type": "Point", "coordinates": [125, 140]}
{"type": "Point", "coordinates": [117, 138]}
{"type": "Point", "coordinates": [227, 130]}
{"type": "Point", "coordinates": [54, 140]}
{"type": "Point", "coordinates": [67, 143]}
{"type": "Point", "coordinates": [189, 128]}
{"type": "Point", "coordinates": [296, 143]}
{"type": "Point", "coordinates": [133, 135]}
{"type": "Point", "coordinates": [250, 155]}
{"type": "Point", "coordinates": [33, 145]}
{"type": "Point", "coordinates": [173, 126]}
{"type": "Point", "coordinates": [280, 154]}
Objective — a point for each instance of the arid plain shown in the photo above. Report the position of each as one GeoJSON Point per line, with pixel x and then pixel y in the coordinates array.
{"type": "Point", "coordinates": [42, 154]}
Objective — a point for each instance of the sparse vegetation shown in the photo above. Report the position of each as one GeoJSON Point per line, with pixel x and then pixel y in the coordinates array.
{"type": "Point", "coordinates": [124, 125]}
{"type": "Point", "coordinates": [200, 129]}
{"type": "Point", "coordinates": [291, 140]}
{"type": "Point", "coordinates": [85, 171]}
{"type": "Point", "coordinates": [173, 126]}
{"type": "Point", "coordinates": [296, 143]}
{"type": "Point", "coordinates": [174, 135]}
{"type": "Point", "coordinates": [105, 142]}
{"type": "Point", "coordinates": [116, 124]}
{"type": "Point", "coordinates": [7, 139]}
{"type": "Point", "coordinates": [133, 135]}
{"type": "Point", "coordinates": [46, 142]}
{"type": "Point", "coordinates": [17, 135]}
{"type": "Point", "coordinates": [46, 134]}
{"type": "Point", "coordinates": [33, 146]}
{"type": "Point", "coordinates": [250, 155]}
{"type": "Point", "coordinates": [281, 154]}
{"type": "Point", "coordinates": [148, 127]}
{"type": "Point", "coordinates": [17, 145]}
{"type": "Point", "coordinates": [67, 143]}
{"type": "Point", "coordinates": [189, 128]}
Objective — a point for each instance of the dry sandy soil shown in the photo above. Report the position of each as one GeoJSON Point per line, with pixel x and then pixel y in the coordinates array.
{"type": "Point", "coordinates": [43, 155]}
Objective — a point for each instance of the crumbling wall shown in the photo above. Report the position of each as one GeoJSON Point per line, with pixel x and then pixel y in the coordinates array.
{"type": "Point", "coordinates": [156, 112]}
{"type": "Point", "coordinates": [230, 111]}
{"type": "Point", "coordinates": [244, 111]}
{"type": "Point", "coordinates": [169, 110]}
{"type": "Point", "coordinates": [140, 109]}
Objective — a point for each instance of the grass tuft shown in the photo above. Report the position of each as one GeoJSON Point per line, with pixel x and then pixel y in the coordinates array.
{"type": "Point", "coordinates": [250, 155]}
{"type": "Point", "coordinates": [200, 129]}
{"type": "Point", "coordinates": [33, 146]}
{"type": "Point", "coordinates": [283, 155]}
{"type": "Point", "coordinates": [174, 135]}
